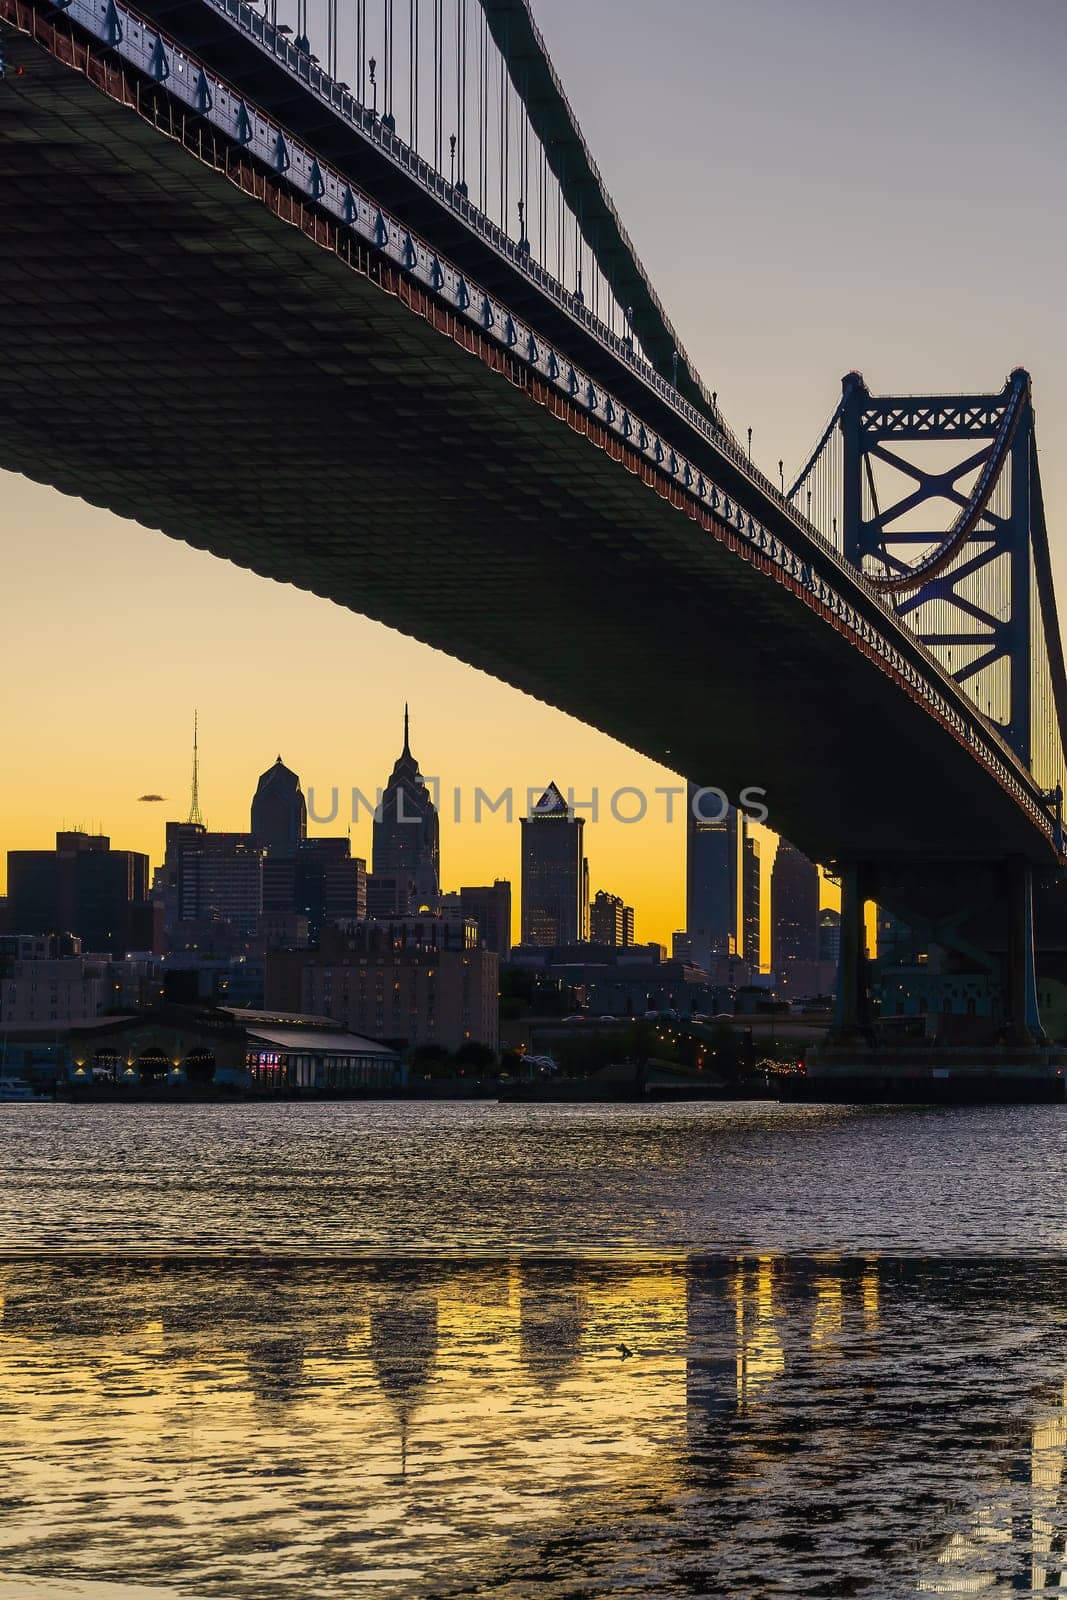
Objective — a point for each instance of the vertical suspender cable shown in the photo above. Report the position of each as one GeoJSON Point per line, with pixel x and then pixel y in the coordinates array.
{"type": "Point", "coordinates": [463, 119]}
{"type": "Point", "coordinates": [542, 220]}
{"type": "Point", "coordinates": [525, 183]}
{"type": "Point", "coordinates": [387, 52]}
{"type": "Point", "coordinates": [361, 51]}
{"type": "Point", "coordinates": [486, 112]}
{"type": "Point", "coordinates": [578, 254]}
{"type": "Point", "coordinates": [413, 73]}
{"type": "Point", "coordinates": [502, 216]}
{"type": "Point", "coordinates": [436, 88]}
{"type": "Point", "coordinates": [439, 60]}
{"type": "Point", "coordinates": [483, 111]}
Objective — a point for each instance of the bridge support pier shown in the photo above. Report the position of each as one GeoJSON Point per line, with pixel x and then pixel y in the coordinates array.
{"type": "Point", "coordinates": [1022, 1018]}
{"type": "Point", "coordinates": [852, 1019]}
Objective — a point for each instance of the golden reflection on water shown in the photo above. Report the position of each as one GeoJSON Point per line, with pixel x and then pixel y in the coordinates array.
{"type": "Point", "coordinates": [971, 1560]}
{"type": "Point", "coordinates": [418, 1427]}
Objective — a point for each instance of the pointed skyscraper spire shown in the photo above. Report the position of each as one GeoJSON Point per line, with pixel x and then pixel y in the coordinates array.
{"type": "Point", "coordinates": [194, 804]}
{"type": "Point", "coordinates": [407, 747]}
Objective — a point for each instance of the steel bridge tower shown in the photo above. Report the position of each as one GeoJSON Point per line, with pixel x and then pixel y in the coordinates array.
{"type": "Point", "coordinates": [936, 500]}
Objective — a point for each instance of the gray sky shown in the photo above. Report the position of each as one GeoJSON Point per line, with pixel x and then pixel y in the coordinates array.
{"type": "Point", "coordinates": [816, 185]}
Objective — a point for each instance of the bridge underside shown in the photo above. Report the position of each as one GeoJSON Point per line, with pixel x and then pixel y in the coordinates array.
{"type": "Point", "coordinates": [177, 353]}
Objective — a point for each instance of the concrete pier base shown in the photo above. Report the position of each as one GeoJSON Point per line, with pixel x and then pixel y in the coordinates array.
{"type": "Point", "coordinates": [920, 1073]}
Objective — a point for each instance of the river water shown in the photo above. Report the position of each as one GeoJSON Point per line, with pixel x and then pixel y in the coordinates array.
{"type": "Point", "coordinates": [440, 1350]}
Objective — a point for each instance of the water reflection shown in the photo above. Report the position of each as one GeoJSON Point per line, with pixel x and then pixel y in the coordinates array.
{"type": "Point", "coordinates": [738, 1426]}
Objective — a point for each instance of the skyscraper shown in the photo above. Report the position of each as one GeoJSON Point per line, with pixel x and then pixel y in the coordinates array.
{"type": "Point", "coordinates": [331, 884]}
{"type": "Point", "coordinates": [85, 888]}
{"type": "Point", "coordinates": [406, 833]}
{"type": "Point", "coordinates": [750, 900]}
{"type": "Point", "coordinates": [611, 920]}
{"type": "Point", "coordinates": [713, 881]}
{"type": "Point", "coordinates": [279, 814]}
{"type": "Point", "coordinates": [220, 879]}
{"type": "Point", "coordinates": [794, 917]}
{"type": "Point", "coordinates": [554, 873]}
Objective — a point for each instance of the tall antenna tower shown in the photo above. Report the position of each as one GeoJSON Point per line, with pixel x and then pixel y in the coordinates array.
{"type": "Point", "coordinates": [194, 804]}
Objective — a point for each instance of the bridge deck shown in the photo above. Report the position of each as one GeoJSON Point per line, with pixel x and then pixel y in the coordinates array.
{"type": "Point", "coordinates": [177, 353]}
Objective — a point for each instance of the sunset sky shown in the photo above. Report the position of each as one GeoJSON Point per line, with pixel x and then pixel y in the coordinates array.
{"type": "Point", "coordinates": [893, 204]}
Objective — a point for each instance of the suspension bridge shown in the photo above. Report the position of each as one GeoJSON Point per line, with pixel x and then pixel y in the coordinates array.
{"type": "Point", "coordinates": [338, 294]}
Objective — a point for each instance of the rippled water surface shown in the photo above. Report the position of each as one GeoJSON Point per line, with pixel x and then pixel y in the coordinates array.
{"type": "Point", "coordinates": [509, 1427]}
{"type": "Point", "coordinates": [475, 1175]}
{"type": "Point", "coordinates": [298, 1352]}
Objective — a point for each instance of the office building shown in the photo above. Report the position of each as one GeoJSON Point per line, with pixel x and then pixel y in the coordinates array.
{"type": "Point", "coordinates": [331, 883]}
{"type": "Point", "coordinates": [713, 880]}
{"type": "Point", "coordinates": [416, 980]}
{"type": "Point", "coordinates": [620, 981]}
{"type": "Point", "coordinates": [555, 908]}
{"type": "Point", "coordinates": [279, 813]}
{"type": "Point", "coordinates": [489, 906]}
{"type": "Point", "coordinates": [48, 981]}
{"type": "Point", "coordinates": [165, 877]}
{"type": "Point", "coordinates": [321, 882]}
{"type": "Point", "coordinates": [389, 895]}
{"type": "Point", "coordinates": [611, 920]}
{"type": "Point", "coordinates": [220, 880]}
{"type": "Point", "coordinates": [829, 935]}
{"type": "Point", "coordinates": [406, 843]}
{"type": "Point", "coordinates": [794, 919]}
{"type": "Point", "coordinates": [750, 900]}
{"type": "Point", "coordinates": [82, 887]}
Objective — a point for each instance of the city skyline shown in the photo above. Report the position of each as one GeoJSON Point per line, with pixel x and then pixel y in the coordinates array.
{"type": "Point", "coordinates": [356, 821]}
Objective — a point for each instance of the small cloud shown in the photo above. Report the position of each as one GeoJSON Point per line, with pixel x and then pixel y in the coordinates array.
{"type": "Point", "coordinates": [151, 797]}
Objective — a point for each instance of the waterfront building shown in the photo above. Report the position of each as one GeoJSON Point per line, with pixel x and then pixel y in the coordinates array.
{"type": "Point", "coordinates": [305, 1055]}
{"type": "Point", "coordinates": [420, 980]}
{"type": "Point", "coordinates": [279, 813]}
{"type": "Point", "coordinates": [406, 841]}
{"type": "Point", "coordinates": [49, 991]}
{"type": "Point", "coordinates": [794, 919]}
{"type": "Point", "coordinates": [555, 874]}
{"type": "Point", "coordinates": [262, 1050]}
{"type": "Point", "coordinates": [86, 888]}
{"type": "Point", "coordinates": [611, 920]}
{"type": "Point", "coordinates": [51, 981]}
